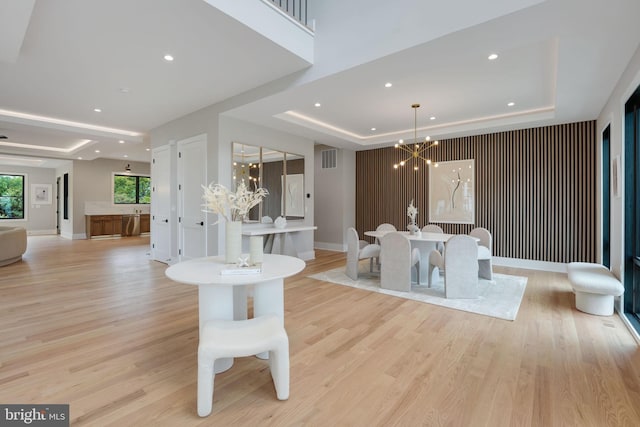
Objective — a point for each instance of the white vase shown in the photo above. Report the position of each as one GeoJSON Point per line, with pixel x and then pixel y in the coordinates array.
{"type": "Point", "coordinates": [232, 241]}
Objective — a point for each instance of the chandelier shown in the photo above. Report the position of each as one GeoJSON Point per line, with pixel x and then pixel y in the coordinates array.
{"type": "Point", "coordinates": [418, 151]}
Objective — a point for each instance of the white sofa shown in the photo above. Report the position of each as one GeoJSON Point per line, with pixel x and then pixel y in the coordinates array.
{"type": "Point", "coordinates": [13, 243]}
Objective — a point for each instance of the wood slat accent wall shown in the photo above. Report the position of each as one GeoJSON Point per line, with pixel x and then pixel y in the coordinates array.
{"type": "Point", "coordinates": [535, 190]}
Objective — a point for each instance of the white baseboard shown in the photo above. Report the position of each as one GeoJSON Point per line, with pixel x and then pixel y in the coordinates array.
{"type": "Point", "coordinates": [308, 255]}
{"type": "Point", "coordinates": [529, 264]}
{"type": "Point", "coordinates": [41, 232]}
{"type": "Point", "coordinates": [79, 236]}
{"type": "Point", "coordinates": [336, 247]}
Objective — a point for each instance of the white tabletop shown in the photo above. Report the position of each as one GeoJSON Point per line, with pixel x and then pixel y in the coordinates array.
{"type": "Point", "coordinates": [424, 236]}
{"type": "Point", "coordinates": [206, 271]}
{"type": "Point", "coordinates": [273, 230]}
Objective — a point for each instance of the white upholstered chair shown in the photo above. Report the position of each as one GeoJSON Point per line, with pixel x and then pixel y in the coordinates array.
{"type": "Point", "coordinates": [432, 228]}
{"type": "Point", "coordinates": [484, 252]}
{"type": "Point", "coordinates": [397, 258]}
{"type": "Point", "coordinates": [461, 267]}
{"type": "Point", "coordinates": [241, 338]}
{"type": "Point", "coordinates": [355, 253]}
{"type": "Point", "coordinates": [385, 226]}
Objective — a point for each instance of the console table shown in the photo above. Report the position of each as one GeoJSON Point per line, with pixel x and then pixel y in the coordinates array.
{"type": "Point", "coordinates": [279, 240]}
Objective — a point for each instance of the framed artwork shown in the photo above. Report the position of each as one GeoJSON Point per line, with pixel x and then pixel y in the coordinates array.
{"type": "Point", "coordinates": [41, 194]}
{"type": "Point", "coordinates": [452, 192]}
{"type": "Point", "coordinates": [293, 200]}
{"type": "Point", "coordinates": [616, 177]}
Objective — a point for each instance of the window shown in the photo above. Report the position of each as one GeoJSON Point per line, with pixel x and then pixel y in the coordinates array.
{"type": "Point", "coordinates": [131, 189]}
{"type": "Point", "coordinates": [11, 196]}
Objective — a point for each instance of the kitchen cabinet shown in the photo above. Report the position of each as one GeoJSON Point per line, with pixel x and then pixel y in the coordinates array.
{"type": "Point", "coordinates": [103, 225]}
{"type": "Point", "coordinates": [145, 223]}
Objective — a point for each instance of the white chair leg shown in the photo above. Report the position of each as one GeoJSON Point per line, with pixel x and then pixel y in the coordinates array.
{"type": "Point", "coordinates": [484, 269]}
{"type": "Point", "coordinates": [205, 384]}
{"type": "Point", "coordinates": [430, 278]}
{"type": "Point", "coordinates": [279, 365]}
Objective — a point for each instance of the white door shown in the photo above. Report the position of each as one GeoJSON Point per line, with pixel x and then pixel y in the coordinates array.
{"type": "Point", "coordinates": [192, 175]}
{"type": "Point", "coordinates": [161, 204]}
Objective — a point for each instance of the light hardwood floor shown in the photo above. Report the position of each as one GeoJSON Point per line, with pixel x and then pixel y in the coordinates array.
{"type": "Point", "coordinates": [95, 324]}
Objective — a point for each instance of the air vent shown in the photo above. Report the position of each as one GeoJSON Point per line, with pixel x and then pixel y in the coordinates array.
{"type": "Point", "coordinates": [329, 158]}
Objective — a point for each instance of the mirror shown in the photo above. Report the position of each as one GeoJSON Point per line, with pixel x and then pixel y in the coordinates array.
{"type": "Point", "coordinates": [282, 174]}
{"type": "Point", "coordinates": [246, 166]}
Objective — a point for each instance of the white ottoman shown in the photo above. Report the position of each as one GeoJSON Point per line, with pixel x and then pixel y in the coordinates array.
{"type": "Point", "coordinates": [595, 287]}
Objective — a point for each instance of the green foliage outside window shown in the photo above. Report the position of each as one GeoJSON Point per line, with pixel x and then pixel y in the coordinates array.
{"type": "Point", "coordinates": [131, 189]}
{"type": "Point", "coordinates": [11, 197]}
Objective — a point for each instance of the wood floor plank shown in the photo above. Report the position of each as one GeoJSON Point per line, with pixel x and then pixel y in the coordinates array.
{"type": "Point", "coordinates": [97, 325]}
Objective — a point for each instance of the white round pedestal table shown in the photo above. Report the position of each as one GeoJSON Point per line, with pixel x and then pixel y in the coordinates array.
{"type": "Point", "coordinates": [224, 296]}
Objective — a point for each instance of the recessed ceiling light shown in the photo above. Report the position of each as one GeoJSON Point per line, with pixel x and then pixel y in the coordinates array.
{"type": "Point", "coordinates": [79, 158]}
{"type": "Point", "coordinates": [373, 128]}
{"type": "Point", "coordinates": [493, 56]}
{"type": "Point", "coordinates": [148, 149]}
{"type": "Point", "coordinates": [121, 142]}
{"type": "Point", "coordinates": [125, 155]}
{"type": "Point", "coordinates": [317, 104]}
{"type": "Point", "coordinates": [97, 151]}
{"type": "Point", "coordinates": [432, 118]}
{"type": "Point", "coordinates": [168, 58]}
{"type": "Point", "coordinates": [511, 104]}
{"type": "Point", "coordinates": [125, 90]}
{"type": "Point", "coordinates": [97, 110]}
{"type": "Point", "coordinates": [388, 84]}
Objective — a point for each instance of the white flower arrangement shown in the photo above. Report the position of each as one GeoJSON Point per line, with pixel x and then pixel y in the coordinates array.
{"type": "Point", "coordinates": [412, 212]}
{"type": "Point", "coordinates": [229, 205]}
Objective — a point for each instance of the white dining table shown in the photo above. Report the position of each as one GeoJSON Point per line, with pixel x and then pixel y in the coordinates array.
{"type": "Point", "coordinates": [425, 242]}
{"type": "Point", "coordinates": [224, 296]}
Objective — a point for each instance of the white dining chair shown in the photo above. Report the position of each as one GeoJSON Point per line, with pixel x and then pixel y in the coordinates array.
{"type": "Point", "coordinates": [397, 259]}
{"type": "Point", "coordinates": [385, 226]}
{"type": "Point", "coordinates": [432, 228]}
{"type": "Point", "coordinates": [461, 267]}
{"type": "Point", "coordinates": [356, 252]}
{"type": "Point", "coordinates": [484, 252]}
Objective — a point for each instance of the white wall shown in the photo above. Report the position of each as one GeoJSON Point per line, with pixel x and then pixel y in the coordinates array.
{"type": "Point", "coordinates": [335, 199]}
{"type": "Point", "coordinates": [234, 130]}
{"type": "Point", "coordinates": [221, 131]}
{"type": "Point", "coordinates": [39, 218]}
{"type": "Point", "coordinates": [613, 113]}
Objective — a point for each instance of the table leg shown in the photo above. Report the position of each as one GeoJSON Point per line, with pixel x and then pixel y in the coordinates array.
{"type": "Point", "coordinates": [268, 298]}
{"type": "Point", "coordinates": [217, 302]}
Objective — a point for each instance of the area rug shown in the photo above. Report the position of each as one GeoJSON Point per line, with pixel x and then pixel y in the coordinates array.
{"type": "Point", "coordinates": [500, 297]}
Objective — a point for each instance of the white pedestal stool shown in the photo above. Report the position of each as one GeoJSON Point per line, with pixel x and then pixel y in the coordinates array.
{"type": "Point", "coordinates": [241, 338]}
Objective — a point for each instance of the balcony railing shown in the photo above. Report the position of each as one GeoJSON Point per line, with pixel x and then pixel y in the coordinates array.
{"type": "Point", "coordinates": [297, 9]}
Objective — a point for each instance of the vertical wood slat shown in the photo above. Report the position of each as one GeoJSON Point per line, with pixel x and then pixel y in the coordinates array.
{"type": "Point", "coordinates": [535, 190]}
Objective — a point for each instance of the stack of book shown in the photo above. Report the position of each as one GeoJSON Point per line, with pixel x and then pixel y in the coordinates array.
{"type": "Point", "coordinates": [235, 270]}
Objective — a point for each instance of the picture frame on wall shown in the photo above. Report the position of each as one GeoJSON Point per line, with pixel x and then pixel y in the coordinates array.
{"type": "Point", "coordinates": [452, 192]}
{"type": "Point", "coordinates": [41, 194]}
{"type": "Point", "coordinates": [616, 177]}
